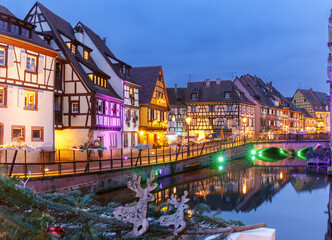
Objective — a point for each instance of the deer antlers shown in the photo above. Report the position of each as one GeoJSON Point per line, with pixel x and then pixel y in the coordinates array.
{"type": "Point", "coordinates": [135, 185]}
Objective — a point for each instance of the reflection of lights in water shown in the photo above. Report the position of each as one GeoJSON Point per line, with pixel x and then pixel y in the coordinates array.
{"type": "Point", "coordinates": [125, 158]}
{"type": "Point", "coordinates": [46, 169]}
{"type": "Point", "coordinates": [160, 171]}
{"type": "Point", "coordinates": [164, 209]}
{"type": "Point", "coordinates": [280, 175]}
{"type": "Point", "coordinates": [190, 214]}
{"type": "Point", "coordinates": [160, 186]}
{"type": "Point", "coordinates": [244, 187]}
{"type": "Point", "coordinates": [174, 190]}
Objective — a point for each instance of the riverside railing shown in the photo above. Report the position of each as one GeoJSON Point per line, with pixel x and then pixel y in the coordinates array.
{"type": "Point", "coordinates": [65, 161]}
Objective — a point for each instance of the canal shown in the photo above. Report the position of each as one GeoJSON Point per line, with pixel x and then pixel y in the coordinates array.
{"type": "Point", "coordinates": [292, 200]}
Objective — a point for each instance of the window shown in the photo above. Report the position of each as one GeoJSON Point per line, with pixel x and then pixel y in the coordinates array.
{"type": "Point", "coordinates": [2, 96]}
{"type": "Point", "coordinates": [229, 108]}
{"type": "Point", "coordinates": [57, 103]}
{"type": "Point", "coordinates": [30, 100]}
{"type": "Point", "coordinates": [193, 108]}
{"type": "Point", "coordinates": [113, 141]}
{"type": "Point", "coordinates": [18, 133]}
{"type": "Point", "coordinates": [3, 25]}
{"type": "Point", "coordinates": [86, 54]}
{"type": "Point", "coordinates": [101, 107]}
{"type": "Point", "coordinates": [15, 29]}
{"type": "Point", "coordinates": [25, 32]}
{"type": "Point", "coordinates": [114, 109]}
{"type": "Point", "coordinates": [91, 76]}
{"type": "Point", "coordinates": [2, 56]}
{"type": "Point", "coordinates": [37, 134]}
{"type": "Point", "coordinates": [75, 107]}
{"type": "Point", "coordinates": [31, 63]}
{"type": "Point", "coordinates": [73, 48]}
{"type": "Point", "coordinates": [68, 44]}
{"type": "Point", "coordinates": [211, 108]}
{"type": "Point", "coordinates": [194, 96]}
{"type": "Point", "coordinates": [227, 95]}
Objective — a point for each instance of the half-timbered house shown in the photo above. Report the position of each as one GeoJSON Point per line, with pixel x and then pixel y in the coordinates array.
{"type": "Point", "coordinates": [154, 104]}
{"type": "Point", "coordinates": [178, 113]}
{"type": "Point", "coordinates": [120, 80]}
{"type": "Point", "coordinates": [316, 104]}
{"type": "Point", "coordinates": [26, 84]}
{"type": "Point", "coordinates": [269, 112]}
{"type": "Point", "coordinates": [216, 105]}
{"type": "Point", "coordinates": [86, 105]}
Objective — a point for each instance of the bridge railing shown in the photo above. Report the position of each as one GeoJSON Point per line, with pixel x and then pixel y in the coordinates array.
{"type": "Point", "coordinates": [64, 161]}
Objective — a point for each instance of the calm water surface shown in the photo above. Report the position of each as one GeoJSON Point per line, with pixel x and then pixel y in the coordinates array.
{"type": "Point", "coordinates": [291, 200]}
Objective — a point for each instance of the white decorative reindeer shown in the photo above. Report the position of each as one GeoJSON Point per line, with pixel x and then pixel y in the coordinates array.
{"type": "Point", "coordinates": [176, 219]}
{"type": "Point", "coordinates": [137, 214]}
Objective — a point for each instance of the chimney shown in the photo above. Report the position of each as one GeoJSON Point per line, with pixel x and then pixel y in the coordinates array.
{"type": "Point", "coordinates": [176, 88]}
{"type": "Point", "coordinates": [218, 80]}
{"type": "Point", "coordinates": [207, 82]}
{"type": "Point", "coordinates": [104, 40]}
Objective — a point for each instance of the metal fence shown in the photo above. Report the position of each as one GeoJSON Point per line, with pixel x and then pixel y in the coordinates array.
{"type": "Point", "coordinates": [64, 162]}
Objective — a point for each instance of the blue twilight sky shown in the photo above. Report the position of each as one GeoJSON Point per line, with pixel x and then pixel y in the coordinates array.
{"type": "Point", "coordinates": [283, 41]}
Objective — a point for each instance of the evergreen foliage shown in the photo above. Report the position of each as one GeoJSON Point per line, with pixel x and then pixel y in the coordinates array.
{"type": "Point", "coordinates": [27, 215]}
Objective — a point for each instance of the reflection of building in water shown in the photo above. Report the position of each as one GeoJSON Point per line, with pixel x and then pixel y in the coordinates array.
{"type": "Point", "coordinates": [241, 190]}
{"type": "Point", "coordinates": [302, 183]}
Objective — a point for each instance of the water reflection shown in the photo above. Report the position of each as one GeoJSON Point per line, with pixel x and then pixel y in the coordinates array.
{"type": "Point", "coordinates": [290, 199]}
{"type": "Point", "coordinates": [242, 190]}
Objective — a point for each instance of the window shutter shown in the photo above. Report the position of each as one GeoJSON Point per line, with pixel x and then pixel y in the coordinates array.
{"type": "Point", "coordinates": [149, 114]}
{"type": "Point", "coordinates": [41, 61]}
{"type": "Point", "coordinates": [11, 56]}
{"type": "Point", "coordinates": [23, 59]}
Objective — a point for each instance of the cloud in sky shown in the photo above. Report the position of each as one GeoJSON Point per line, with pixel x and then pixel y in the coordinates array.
{"type": "Point", "coordinates": [283, 41]}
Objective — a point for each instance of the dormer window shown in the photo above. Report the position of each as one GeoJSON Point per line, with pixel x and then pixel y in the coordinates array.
{"type": "Point", "coordinates": [25, 32]}
{"type": "Point", "coordinates": [86, 54]}
{"type": "Point", "coordinates": [3, 25]}
{"type": "Point", "coordinates": [194, 96]}
{"type": "Point", "coordinates": [98, 80]}
{"type": "Point", "coordinates": [227, 95]}
{"type": "Point", "coordinates": [15, 29]}
{"type": "Point", "coordinates": [73, 48]}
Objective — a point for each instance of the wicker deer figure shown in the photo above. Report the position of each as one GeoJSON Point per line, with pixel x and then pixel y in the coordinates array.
{"type": "Point", "coordinates": [137, 214]}
{"type": "Point", "coordinates": [176, 219]}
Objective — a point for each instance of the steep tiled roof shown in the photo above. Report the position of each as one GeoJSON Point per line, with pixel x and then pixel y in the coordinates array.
{"type": "Point", "coordinates": [106, 52]}
{"type": "Point", "coordinates": [215, 92]}
{"type": "Point", "coordinates": [316, 99]}
{"type": "Point", "coordinates": [306, 114]}
{"type": "Point", "coordinates": [146, 77]}
{"type": "Point", "coordinates": [292, 107]}
{"type": "Point", "coordinates": [34, 39]}
{"type": "Point", "coordinates": [177, 97]}
{"type": "Point", "coordinates": [61, 26]}
{"type": "Point", "coordinates": [259, 90]}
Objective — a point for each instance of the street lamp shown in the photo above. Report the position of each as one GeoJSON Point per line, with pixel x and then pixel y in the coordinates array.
{"type": "Point", "coordinates": [244, 120]}
{"type": "Point", "coordinates": [188, 120]}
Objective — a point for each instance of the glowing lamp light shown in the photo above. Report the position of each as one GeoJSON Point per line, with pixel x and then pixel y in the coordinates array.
{"type": "Point", "coordinates": [221, 168]}
{"type": "Point", "coordinates": [188, 120]}
{"type": "Point", "coordinates": [253, 152]}
{"type": "Point", "coordinates": [46, 169]}
{"type": "Point", "coordinates": [280, 175]}
{"type": "Point", "coordinates": [244, 120]}
{"type": "Point", "coordinates": [221, 159]}
{"type": "Point", "coordinates": [190, 214]}
{"type": "Point", "coordinates": [125, 158]}
{"type": "Point", "coordinates": [141, 132]}
{"type": "Point", "coordinates": [173, 118]}
{"type": "Point", "coordinates": [253, 158]}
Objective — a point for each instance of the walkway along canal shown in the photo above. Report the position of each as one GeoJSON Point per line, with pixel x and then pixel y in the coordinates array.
{"type": "Point", "coordinates": [100, 178]}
